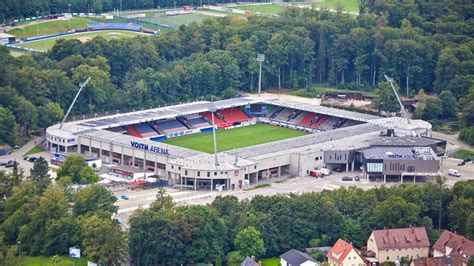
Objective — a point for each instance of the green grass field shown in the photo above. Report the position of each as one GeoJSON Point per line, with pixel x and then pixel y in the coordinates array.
{"type": "Point", "coordinates": [348, 5]}
{"type": "Point", "coordinates": [174, 21]}
{"type": "Point", "coordinates": [45, 45]}
{"type": "Point", "coordinates": [34, 150]}
{"type": "Point", "coordinates": [49, 27]}
{"type": "Point", "coordinates": [268, 9]}
{"type": "Point", "coordinates": [49, 261]}
{"type": "Point", "coordinates": [228, 139]}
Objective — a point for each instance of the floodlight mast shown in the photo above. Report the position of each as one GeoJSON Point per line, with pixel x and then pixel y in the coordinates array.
{"type": "Point", "coordinates": [216, 159]}
{"type": "Point", "coordinates": [404, 112]}
{"type": "Point", "coordinates": [81, 86]}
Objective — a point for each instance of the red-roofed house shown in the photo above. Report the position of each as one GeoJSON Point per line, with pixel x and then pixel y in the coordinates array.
{"type": "Point", "coordinates": [452, 244]}
{"type": "Point", "coordinates": [344, 254]}
{"type": "Point", "coordinates": [393, 244]}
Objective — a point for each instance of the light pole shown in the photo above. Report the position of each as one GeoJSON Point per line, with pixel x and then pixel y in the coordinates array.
{"type": "Point", "coordinates": [260, 59]}
{"type": "Point", "coordinates": [37, 25]}
{"type": "Point", "coordinates": [70, 16]}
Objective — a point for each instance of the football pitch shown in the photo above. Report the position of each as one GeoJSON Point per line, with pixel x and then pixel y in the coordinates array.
{"type": "Point", "coordinates": [228, 139]}
{"type": "Point", "coordinates": [46, 44]}
{"type": "Point", "coordinates": [174, 21]}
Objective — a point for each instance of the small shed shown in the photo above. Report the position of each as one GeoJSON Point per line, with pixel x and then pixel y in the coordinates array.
{"type": "Point", "coordinates": [6, 38]}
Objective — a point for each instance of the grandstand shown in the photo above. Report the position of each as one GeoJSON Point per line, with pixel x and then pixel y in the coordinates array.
{"type": "Point", "coordinates": [169, 126]}
{"type": "Point", "coordinates": [198, 122]}
{"type": "Point", "coordinates": [151, 139]}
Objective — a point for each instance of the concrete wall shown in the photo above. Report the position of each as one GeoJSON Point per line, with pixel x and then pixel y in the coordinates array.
{"type": "Point", "coordinates": [338, 157]}
{"type": "Point", "coordinates": [396, 167]}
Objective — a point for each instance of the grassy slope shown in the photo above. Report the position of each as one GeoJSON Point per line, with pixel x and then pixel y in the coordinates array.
{"type": "Point", "coordinates": [228, 139]}
{"type": "Point", "coordinates": [44, 45]}
{"type": "Point", "coordinates": [34, 150]}
{"type": "Point", "coordinates": [463, 154]}
{"type": "Point", "coordinates": [50, 27]}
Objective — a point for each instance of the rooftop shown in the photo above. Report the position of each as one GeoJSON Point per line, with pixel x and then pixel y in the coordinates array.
{"type": "Point", "coordinates": [339, 251]}
{"type": "Point", "coordinates": [456, 243]}
{"type": "Point", "coordinates": [402, 153]}
{"type": "Point", "coordinates": [411, 237]}
{"type": "Point", "coordinates": [295, 257]}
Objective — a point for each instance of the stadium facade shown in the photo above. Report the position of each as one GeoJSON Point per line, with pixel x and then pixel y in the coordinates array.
{"type": "Point", "coordinates": [335, 139]}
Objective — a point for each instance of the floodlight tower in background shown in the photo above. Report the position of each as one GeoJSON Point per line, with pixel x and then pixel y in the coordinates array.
{"type": "Point", "coordinates": [216, 160]}
{"type": "Point", "coordinates": [260, 59]}
{"type": "Point", "coordinates": [81, 86]}
{"type": "Point", "coordinates": [403, 111]}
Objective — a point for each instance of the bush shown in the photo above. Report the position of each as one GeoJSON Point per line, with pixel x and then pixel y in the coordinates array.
{"type": "Point", "coordinates": [467, 135]}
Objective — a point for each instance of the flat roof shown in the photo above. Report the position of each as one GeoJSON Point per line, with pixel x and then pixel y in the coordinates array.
{"type": "Point", "coordinates": [305, 141]}
{"type": "Point", "coordinates": [6, 35]}
{"type": "Point", "coordinates": [405, 141]}
{"type": "Point", "coordinates": [403, 153]}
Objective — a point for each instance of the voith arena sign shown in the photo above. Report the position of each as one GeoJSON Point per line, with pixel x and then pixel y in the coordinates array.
{"type": "Point", "coordinates": [150, 148]}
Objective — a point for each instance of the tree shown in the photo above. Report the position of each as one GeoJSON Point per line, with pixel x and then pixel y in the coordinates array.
{"type": "Point", "coordinates": [448, 103]}
{"type": "Point", "coordinates": [351, 231]}
{"type": "Point", "coordinates": [234, 258]}
{"type": "Point", "coordinates": [103, 240]}
{"type": "Point", "coordinates": [78, 170]}
{"type": "Point", "coordinates": [387, 101]}
{"type": "Point", "coordinates": [470, 226]}
{"type": "Point", "coordinates": [39, 173]}
{"type": "Point", "coordinates": [7, 126]}
{"type": "Point", "coordinates": [50, 113]}
{"type": "Point", "coordinates": [249, 242]}
{"type": "Point", "coordinates": [92, 199]}
{"type": "Point", "coordinates": [396, 212]}
{"type": "Point", "coordinates": [459, 211]}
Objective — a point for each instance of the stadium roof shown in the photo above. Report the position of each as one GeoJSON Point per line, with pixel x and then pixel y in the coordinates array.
{"type": "Point", "coordinates": [405, 141]}
{"type": "Point", "coordinates": [307, 141]}
{"type": "Point", "coordinates": [205, 161]}
{"type": "Point", "coordinates": [323, 110]}
{"type": "Point", "coordinates": [166, 112]}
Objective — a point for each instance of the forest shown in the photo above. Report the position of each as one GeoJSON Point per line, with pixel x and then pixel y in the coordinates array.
{"type": "Point", "coordinates": [426, 46]}
{"type": "Point", "coordinates": [41, 218]}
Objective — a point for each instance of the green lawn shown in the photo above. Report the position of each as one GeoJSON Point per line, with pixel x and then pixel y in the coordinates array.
{"type": "Point", "coordinates": [348, 5]}
{"type": "Point", "coordinates": [228, 139]}
{"type": "Point", "coordinates": [34, 150]}
{"type": "Point", "coordinates": [49, 261]}
{"type": "Point", "coordinates": [463, 154]}
{"type": "Point", "coordinates": [50, 27]}
{"type": "Point", "coordinates": [268, 9]}
{"type": "Point", "coordinates": [45, 45]}
{"type": "Point", "coordinates": [271, 262]}
{"type": "Point", "coordinates": [174, 21]}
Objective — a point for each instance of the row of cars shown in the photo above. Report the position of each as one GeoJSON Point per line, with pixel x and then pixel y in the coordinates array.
{"type": "Point", "coordinates": [12, 163]}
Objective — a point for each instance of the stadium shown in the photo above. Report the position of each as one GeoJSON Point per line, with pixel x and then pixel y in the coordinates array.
{"type": "Point", "coordinates": [258, 140]}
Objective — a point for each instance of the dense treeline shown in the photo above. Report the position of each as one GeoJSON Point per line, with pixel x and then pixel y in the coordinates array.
{"type": "Point", "coordinates": [426, 48]}
{"type": "Point", "coordinates": [41, 218]}
{"type": "Point", "coordinates": [172, 235]}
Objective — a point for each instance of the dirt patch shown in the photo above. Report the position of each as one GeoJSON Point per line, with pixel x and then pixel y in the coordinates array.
{"type": "Point", "coordinates": [85, 39]}
{"type": "Point", "coordinates": [287, 97]}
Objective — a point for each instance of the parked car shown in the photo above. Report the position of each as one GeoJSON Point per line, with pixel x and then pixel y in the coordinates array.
{"type": "Point", "coordinates": [467, 160]}
{"type": "Point", "coordinates": [2, 163]}
{"type": "Point", "coordinates": [337, 169]}
{"type": "Point", "coordinates": [454, 172]}
{"type": "Point", "coordinates": [124, 197]}
{"type": "Point", "coordinates": [357, 178]}
{"type": "Point", "coordinates": [10, 164]}
{"type": "Point", "coordinates": [346, 178]}
{"type": "Point", "coordinates": [32, 159]}
{"type": "Point", "coordinates": [371, 178]}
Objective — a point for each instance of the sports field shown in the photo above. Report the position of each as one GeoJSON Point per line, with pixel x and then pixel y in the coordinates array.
{"type": "Point", "coordinates": [347, 5]}
{"type": "Point", "coordinates": [228, 139]}
{"type": "Point", "coordinates": [268, 9]}
{"type": "Point", "coordinates": [45, 45]}
{"type": "Point", "coordinates": [49, 28]}
{"type": "Point", "coordinates": [174, 21]}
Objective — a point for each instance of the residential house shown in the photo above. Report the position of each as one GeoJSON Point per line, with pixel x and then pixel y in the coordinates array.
{"type": "Point", "coordinates": [249, 261]}
{"type": "Point", "coordinates": [452, 244]}
{"type": "Point", "coordinates": [456, 260]}
{"type": "Point", "coordinates": [296, 258]}
{"type": "Point", "coordinates": [344, 254]}
{"type": "Point", "coordinates": [393, 244]}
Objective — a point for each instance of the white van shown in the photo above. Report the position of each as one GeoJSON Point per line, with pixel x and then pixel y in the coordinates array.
{"type": "Point", "coordinates": [454, 172]}
{"type": "Point", "coordinates": [325, 171]}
